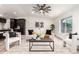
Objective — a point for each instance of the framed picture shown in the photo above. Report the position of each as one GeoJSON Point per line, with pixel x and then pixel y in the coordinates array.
{"type": "Point", "coordinates": [37, 24]}
{"type": "Point", "coordinates": [41, 24]}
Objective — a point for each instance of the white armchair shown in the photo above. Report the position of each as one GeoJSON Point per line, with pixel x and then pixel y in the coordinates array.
{"type": "Point", "coordinates": [9, 40]}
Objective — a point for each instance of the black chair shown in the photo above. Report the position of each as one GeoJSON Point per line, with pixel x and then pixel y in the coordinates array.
{"type": "Point", "coordinates": [71, 34]}
{"type": "Point", "coordinates": [12, 34]}
{"type": "Point", "coordinates": [2, 37]}
{"type": "Point", "coordinates": [30, 32]}
{"type": "Point", "coordinates": [48, 32]}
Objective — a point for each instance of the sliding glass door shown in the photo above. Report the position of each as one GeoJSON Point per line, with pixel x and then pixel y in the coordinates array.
{"type": "Point", "coordinates": [66, 25]}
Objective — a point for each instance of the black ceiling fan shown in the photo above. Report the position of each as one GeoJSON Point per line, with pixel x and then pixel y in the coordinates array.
{"type": "Point", "coordinates": [42, 7]}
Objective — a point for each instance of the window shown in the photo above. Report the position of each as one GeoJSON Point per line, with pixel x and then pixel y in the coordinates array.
{"type": "Point", "coordinates": [66, 25]}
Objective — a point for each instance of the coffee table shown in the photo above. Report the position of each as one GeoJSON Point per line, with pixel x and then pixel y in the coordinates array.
{"type": "Point", "coordinates": [49, 40]}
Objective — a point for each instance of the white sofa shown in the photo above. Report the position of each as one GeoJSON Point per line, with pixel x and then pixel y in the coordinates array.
{"type": "Point", "coordinates": [9, 40]}
{"type": "Point", "coordinates": [66, 41]}
{"type": "Point", "coordinates": [38, 31]}
{"type": "Point", "coordinates": [42, 35]}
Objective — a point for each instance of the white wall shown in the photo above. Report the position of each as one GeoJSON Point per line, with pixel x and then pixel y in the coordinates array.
{"type": "Point", "coordinates": [75, 26]}
{"type": "Point", "coordinates": [7, 24]}
{"type": "Point", "coordinates": [75, 14]}
{"type": "Point", "coordinates": [30, 23]}
{"type": "Point", "coordinates": [75, 21]}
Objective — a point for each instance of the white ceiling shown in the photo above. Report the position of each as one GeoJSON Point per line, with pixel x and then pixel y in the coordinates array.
{"type": "Point", "coordinates": [24, 10]}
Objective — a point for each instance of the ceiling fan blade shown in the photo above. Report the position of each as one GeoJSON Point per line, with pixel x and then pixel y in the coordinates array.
{"type": "Point", "coordinates": [38, 5]}
{"type": "Point", "coordinates": [48, 7]}
{"type": "Point", "coordinates": [36, 10]}
{"type": "Point", "coordinates": [34, 7]}
{"type": "Point", "coordinates": [44, 5]}
{"type": "Point", "coordinates": [46, 11]}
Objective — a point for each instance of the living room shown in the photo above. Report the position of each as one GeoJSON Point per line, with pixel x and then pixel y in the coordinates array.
{"type": "Point", "coordinates": [39, 23]}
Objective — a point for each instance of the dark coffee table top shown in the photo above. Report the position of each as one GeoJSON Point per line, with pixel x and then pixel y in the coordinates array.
{"type": "Point", "coordinates": [42, 40]}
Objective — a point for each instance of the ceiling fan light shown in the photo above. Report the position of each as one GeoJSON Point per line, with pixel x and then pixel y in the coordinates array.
{"type": "Point", "coordinates": [32, 12]}
{"type": "Point", "coordinates": [41, 8]}
{"type": "Point", "coordinates": [41, 11]}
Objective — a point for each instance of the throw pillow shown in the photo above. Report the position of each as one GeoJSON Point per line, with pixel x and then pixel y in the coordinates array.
{"type": "Point", "coordinates": [12, 34]}
{"type": "Point", "coordinates": [30, 32]}
{"type": "Point", "coordinates": [48, 32]}
{"type": "Point", "coordinates": [46, 36]}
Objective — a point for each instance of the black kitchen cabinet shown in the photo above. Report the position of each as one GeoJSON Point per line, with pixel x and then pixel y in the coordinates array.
{"type": "Point", "coordinates": [18, 22]}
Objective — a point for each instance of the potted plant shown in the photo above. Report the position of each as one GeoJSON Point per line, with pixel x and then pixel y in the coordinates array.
{"type": "Point", "coordinates": [52, 26]}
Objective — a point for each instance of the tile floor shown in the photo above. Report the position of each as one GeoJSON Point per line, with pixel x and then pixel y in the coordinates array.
{"type": "Point", "coordinates": [24, 48]}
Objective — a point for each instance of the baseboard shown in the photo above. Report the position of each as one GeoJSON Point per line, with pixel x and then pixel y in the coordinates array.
{"type": "Point", "coordinates": [58, 37]}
